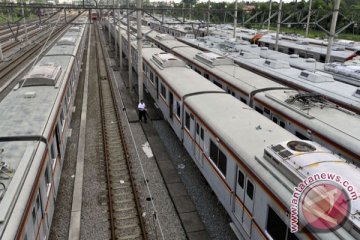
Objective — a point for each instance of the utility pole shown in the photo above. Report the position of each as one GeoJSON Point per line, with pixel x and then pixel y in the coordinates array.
{"type": "Point", "coordinates": [24, 22]}
{"type": "Point", "coordinates": [139, 50]}
{"type": "Point", "coordinates": [308, 19]}
{"type": "Point", "coordinates": [115, 35]}
{"type": "Point", "coordinates": [190, 11]}
{"type": "Point", "coordinates": [278, 27]}
{"type": "Point", "coordinates": [120, 43]}
{"type": "Point", "coordinates": [129, 46]}
{"type": "Point", "coordinates": [332, 30]}
{"type": "Point", "coordinates": [109, 26]}
{"type": "Point", "coordinates": [183, 12]}
{"type": "Point", "coordinates": [269, 15]}
{"type": "Point", "coordinates": [235, 19]}
{"type": "Point", "coordinates": [208, 18]}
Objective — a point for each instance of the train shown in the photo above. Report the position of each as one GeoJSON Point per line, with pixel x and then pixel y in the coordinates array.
{"type": "Point", "coordinates": [93, 14]}
{"type": "Point", "coordinates": [35, 118]}
{"type": "Point", "coordinates": [308, 116]}
{"type": "Point", "coordinates": [251, 163]}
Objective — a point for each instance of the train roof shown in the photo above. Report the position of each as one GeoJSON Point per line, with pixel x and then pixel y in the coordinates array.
{"type": "Point", "coordinates": [323, 117]}
{"type": "Point", "coordinates": [310, 48]}
{"type": "Point", "coordinates": [262, 138]}
{"type": "Point", "coordinates": [231, 73]}
{"type": "Point", "coordinates": [180, 78]}
{"type": "Point", "coordinates": [61, 50]}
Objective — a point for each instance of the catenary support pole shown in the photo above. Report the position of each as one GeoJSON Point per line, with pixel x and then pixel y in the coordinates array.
{"type": "Point", "coordinates": [114, 32]}
{"type": "Point", "coordinates": [24, 22]}
{"type": "Point", "coordinates": [235, 18]}
{"type": "Point", "coordinates": [120, 43]}
{"type": "Point", "coordinates": [129, 46]}
{"type": "Point", "coordinates": [278, 27]}
{"type": "Point", "coordinates": [332, 30]}
{"type": "Point", "coordinates": [308, 19]}
{"type": "Point", "coordinates": [139, 51]}
{"type": "Point", "coordinates": [208, 19]}
{"type": "Point", "coordinates": [268, 28]}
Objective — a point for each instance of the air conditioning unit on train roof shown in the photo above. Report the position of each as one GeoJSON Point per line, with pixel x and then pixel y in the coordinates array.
{"type": "Point", "coordinates": [213, 59]}
{"type": "Point", "coordinates": [165, 60]}
{"type": "Point", "coordinates": [42, 75]}
{"type": "Point", "coordinates": [68, 40]}
{"type": "Point", "coordinates": [276, 64]}
{"type": "Point", "coordinates": [316, 77]}
{"type": "Point", "coordinates": [163, 37]}
{"type": "Point", "coordinates": [290, 157]}
{"type": "Point", "coordinates": [249, 55]}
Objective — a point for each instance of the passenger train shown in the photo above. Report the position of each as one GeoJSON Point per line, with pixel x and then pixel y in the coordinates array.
{"type": "Point", "coordinates": [308, 116]}
{"type": "Point", "coordinates": [251, 163]}
{"type": "Point", "coordinates": [34, 127]}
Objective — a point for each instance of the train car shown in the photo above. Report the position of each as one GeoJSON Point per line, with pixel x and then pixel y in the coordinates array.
{"type": "Point", "coordinates": [251, 163]}
{"type": "Point", "coordinates": [34, 127]}
{"type": "Point", "coordinates": [94, 14]}
{"type": "Point", "coordinates": [319, 120]}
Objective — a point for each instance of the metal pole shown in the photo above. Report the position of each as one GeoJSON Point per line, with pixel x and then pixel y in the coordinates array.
{"type": "Point", "coordinates": [235, 18]}
{"type": "Point", "coordinates": [24, 22]}
{"type": "Point", "coordinates": [278, 27]}
{"type": "Point", "coordinates": [115, 35]}
{"type": "Point", "coordinates": [269, 15]}
{"type": "Point", "coordinates": [183, 12]}
{"type": "Point", "coordinates": [308, 19]}
{"type": "Point", "coordinates": [332, 30]}
{"type": "Point", "coordinates": [208, 19]}
{"type": "Point", "coordinates": [1, 54]}
{"type": "Point", "coordinates": [120, 44]}
{"type": "Point", "coordinates": [139, 51]}
{"type": "Point", "coordinates": [129, 46]}
{"type": "Point", "coordinates": [190, 11]}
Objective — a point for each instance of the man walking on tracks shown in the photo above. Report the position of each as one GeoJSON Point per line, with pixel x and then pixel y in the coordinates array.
{"type": "Point", "coordinates": [142, 110]}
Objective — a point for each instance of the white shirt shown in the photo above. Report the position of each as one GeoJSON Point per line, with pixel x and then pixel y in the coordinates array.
{"type": "Point", "coordinates": [141, 106]}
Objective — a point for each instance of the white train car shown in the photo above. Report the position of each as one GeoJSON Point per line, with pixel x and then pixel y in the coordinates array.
{"type": "Point", "coordinates": [322, 121]}
{"type": "Point", "coordinates": [34, 127]}
{"type": "Point", "coordinates": [251, 163]}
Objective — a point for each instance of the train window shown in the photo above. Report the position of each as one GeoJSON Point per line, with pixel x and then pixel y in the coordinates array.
{"type": "Point", "coordinates": [206, 76]}
{"type": "Point", "coordinates": [163, 90]}
{"type": "Point", "coordinates": [301, 136]}
{"type": "Point", "coordinates": [187, 120]}
{"type": "Point", "coordinates": [275, 226]}
{"type": "Point", "coordinates": [275, 120]}
{"type": "Point", "coordinates": [322, 58]}
{"type": "Point", "coordinates": [47, 181]}
{"type": "Point", "coordinates": [178, 109]}
{"type": "Point", "coordinates": [241, 179]}
{"type": "Point", "coordinates": [217, 84]}
{"type": "Point", "coordinates": [267, 111]}
{"type": "Point", "coordinates": [218, 157]}
{"type": "Point", "coordinates": [197, 70]}
{"type": "Point", "coordinates": [202, 133]}
{"type": "Point", "coordinates": [144, 68]}
{"type": "Point", "coordinates": [250, 189]}
{"type": "Point", "coordinates": [151, 76]}
{"type": "Point", "coordinates": [197, 129]}
{"type": "Point", "coordinates": [243, 100]}
{"type": "Point", "coordinates": [282, 124]}
{"type": "Point", "coordinates": [259, 110]}
{"type": "Point", "coordinates": [62, 119]}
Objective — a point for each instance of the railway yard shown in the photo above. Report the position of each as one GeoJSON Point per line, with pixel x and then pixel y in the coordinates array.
{"type": "Point", "coordinates": [233, 129]}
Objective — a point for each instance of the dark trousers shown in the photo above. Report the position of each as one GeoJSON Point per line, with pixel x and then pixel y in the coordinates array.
{"type": "Point", "coordinates": [142, 113]}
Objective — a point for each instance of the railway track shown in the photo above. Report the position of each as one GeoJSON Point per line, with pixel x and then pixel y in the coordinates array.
{"type": "Point", "coordinates": [124, 209]}
{"type": "Point", "coordinates": [8, 68]}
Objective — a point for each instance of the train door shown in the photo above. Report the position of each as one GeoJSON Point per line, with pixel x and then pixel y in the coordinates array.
{"type": "Point", "coordinates": [199, 143]}
{"type": "Point", "coordinates": [157, 87]}
{"type": "Point", "coordinates": [171, 99]}
{"type": "Point", "coordinates": [37, 215]}
{"type": "Point", "coordinates": [244, 201]}
{"type": "Point", "coordinates": [57, 135]}
{"type": "Point", "coordinates": [239, 197]}
{"type": "Point", "coordinates": [249, 204]}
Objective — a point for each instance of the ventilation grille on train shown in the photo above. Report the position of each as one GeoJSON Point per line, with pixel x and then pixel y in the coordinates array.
{"type": "Point", "coordinates": [42, 75]}
{"type": "Point", "coordinates": [213, 59]}
{"type": "Point", "coordinates": [165, 60]}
